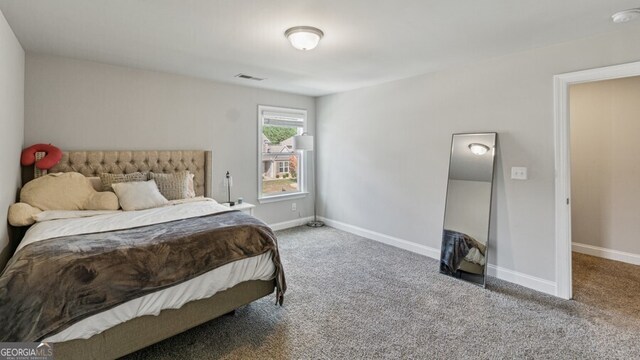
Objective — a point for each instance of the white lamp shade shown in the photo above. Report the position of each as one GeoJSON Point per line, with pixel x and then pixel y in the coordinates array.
{"type": "Point", "coordinates": [303, 142]}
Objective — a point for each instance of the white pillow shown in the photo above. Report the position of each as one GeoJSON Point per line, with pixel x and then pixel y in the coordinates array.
{"type": "Point", "coordinates": [139, 195]}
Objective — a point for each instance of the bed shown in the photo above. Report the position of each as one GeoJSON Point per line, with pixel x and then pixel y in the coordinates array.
{"type": "Point", "coordinates": [140, 331]}
{"type": "Point", "coordinates": [461, 252]}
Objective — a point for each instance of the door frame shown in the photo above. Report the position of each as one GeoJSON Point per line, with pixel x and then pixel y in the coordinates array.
{"type": "Point", "coordinates": [564, 287]}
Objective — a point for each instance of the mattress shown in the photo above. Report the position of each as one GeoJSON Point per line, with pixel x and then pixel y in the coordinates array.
{"type": "Point", "coordinates": [255, 268]}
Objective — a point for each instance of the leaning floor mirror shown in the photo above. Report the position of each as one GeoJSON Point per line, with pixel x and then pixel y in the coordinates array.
{"type": "Point", "coordinates": [465, 237]}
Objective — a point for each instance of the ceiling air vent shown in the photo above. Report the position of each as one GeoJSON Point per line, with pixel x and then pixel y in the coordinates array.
{"type": "Point", "coordinates": [249, 77]}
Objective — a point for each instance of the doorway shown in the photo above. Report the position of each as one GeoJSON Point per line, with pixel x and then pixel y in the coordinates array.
{"type": "Point", "coordinates": [562, 83]}
{"type": "Point", "coordinates": [605, 193]}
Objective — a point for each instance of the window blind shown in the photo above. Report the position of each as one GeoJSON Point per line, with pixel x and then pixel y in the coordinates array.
{"type": "Point", "coordinates": [282, 119]}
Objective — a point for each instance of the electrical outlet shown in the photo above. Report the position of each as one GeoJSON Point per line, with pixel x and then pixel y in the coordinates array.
{"type": "Point", "coordinates": [293, 207]}
{"type": "Point", "coordinates": [519, 173]}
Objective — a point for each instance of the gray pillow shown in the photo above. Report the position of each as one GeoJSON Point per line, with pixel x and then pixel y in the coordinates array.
{"type": "Point", "coordinates": [109, 179]}
{"type": "Point", "coordinates": [173, 186]}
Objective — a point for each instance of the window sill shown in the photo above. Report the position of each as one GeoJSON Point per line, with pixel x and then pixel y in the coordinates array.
{"type": "Point", "coordinates": [276, 198]}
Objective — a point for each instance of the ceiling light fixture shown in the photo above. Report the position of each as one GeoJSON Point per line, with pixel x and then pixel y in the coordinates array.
{"type": "Point", "coordinates": [625, 15]}
{"type": "Point", "coordinates": [478, 149]}
{"type": "Point", "coordinates": [304, 37]}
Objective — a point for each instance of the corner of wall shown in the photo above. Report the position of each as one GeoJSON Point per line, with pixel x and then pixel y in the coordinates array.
{"type": "Point", "coordinates": [12, 71]}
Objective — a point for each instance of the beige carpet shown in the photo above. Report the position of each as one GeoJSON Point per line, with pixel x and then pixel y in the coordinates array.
{"type": "Point", "coordinates": [612, 286]}
{"type": "Point", "coordinates": [353, 298]}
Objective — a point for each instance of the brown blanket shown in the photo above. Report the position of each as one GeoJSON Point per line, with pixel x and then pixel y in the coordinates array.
{"type": "Point", "coordinates": [51, 284]}
{"type": "Point", "coordinates": [455, 246]}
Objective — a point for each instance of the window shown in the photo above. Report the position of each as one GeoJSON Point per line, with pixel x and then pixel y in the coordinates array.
{"type": "Point", "coordinates": [283, 166]}
{"type": "Point", "coordinates": [280, 168]}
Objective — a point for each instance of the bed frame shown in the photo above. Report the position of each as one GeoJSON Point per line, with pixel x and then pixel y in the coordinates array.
{"type": "Point", "coordinates": [141, 332]}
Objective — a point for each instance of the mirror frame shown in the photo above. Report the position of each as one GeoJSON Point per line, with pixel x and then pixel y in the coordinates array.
{"type": "Point", "coordinates": [493, 183]}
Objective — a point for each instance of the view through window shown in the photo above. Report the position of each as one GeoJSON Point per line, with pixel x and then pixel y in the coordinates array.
{"type": "Point", "coordinates": [280, 164]}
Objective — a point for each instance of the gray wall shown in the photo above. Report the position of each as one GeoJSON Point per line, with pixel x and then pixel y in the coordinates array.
{"type": "Point", "coordinates": [605, 165]}
{"type": "Point", "coordinates": [11, 120]}
{"type": "Point", "coordinates": [384, 150]}
{"type": "Point", "coordinates": [82, 105]}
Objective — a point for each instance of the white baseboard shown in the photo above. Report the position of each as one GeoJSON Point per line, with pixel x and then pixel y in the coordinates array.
{"type": "Point", "coordinates": [532, 282]}
{"type": "Point", "coordinates": [290, 224]}
{"type": "Point", "coordinates": [610, 254]}
{"type": "Point", "coordinates": [528, 281]}
{"type": "Point", "coordinates": [386, 239]}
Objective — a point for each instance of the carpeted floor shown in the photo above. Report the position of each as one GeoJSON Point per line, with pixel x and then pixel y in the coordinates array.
{"type": "Point", "coordinates": [353, 298]}
{"type": "Point", "coordinates": [612, 286]}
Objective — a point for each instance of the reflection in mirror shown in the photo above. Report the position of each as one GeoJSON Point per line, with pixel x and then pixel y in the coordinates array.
{"type": "Point", "coordinates": [465, 238]}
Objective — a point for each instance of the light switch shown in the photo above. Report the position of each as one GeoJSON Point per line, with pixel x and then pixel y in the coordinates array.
{"type": "Point", "coordinates": [519, 173]}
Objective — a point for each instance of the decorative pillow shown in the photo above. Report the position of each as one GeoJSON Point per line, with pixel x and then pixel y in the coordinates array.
{"type": "Point", "coordinates": [21, 214]}
{"type": "Point", "coordinates": [139, 195]}
{"type": "Point", "coordinates": [95, 182]}
{"type": "Point", "coordinates": [52, 157]}
{"type": "Point", "coordinates": [109, 179]}
{"type": "Point", "coordinates": [66, 191]}
{"type": "Point", "coordinates": [173, 186]}
{"type": "Point", "coordinates": [191, 193]}
{"type": "Point", "coordinates": [105, 200]}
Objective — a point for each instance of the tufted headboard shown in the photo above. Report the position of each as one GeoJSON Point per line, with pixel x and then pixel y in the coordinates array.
{"type": "Point", "coordinates": [92, 163]}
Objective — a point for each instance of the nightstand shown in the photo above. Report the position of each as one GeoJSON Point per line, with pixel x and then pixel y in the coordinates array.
{"type": "Point", "coordinates": [245, 207]}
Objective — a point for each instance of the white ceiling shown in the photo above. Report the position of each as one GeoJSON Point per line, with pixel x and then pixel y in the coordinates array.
{"type": "Point", "coordinates": [366, 42]}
